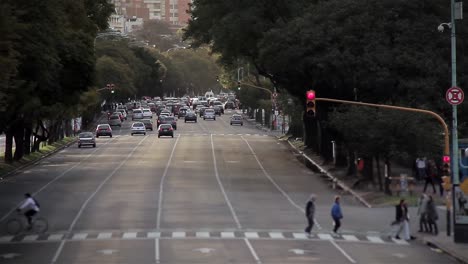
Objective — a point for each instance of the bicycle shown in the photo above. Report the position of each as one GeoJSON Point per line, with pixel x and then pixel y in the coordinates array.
{"type": "Point", "coordinates": [19, 223]}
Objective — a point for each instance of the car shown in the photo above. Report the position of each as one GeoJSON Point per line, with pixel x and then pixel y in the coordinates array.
{"type": "Point", "coordinates": [218, 110]}
{"type": "Point", "coordinates": [230, 105]}
{"type": "Point", "coordinates": [209, 114]}
{"type": "Point", "coordinates": [138, 128]}
{"type": "Point", "coordinates": [202, 111]}
{"type": "Point", "coordinates": [103, 130]}
{"type": "Point", "coordinates": [198, 108]}
{"type": "Point", "coordinates": [165, 112]}
{"type": "Point", "coordinates": [148, 124]}
{"type": "Point", "coordinates": [147, 113]}
{"type": "Point", "coordinates": [86, 138]}
{"type": "Point", "coordinates": [165, 130]}
{"type": "Point", "coordinates": [169, 120]}
{"type": "Point", "coordinates": [114, 120]}
{"type": "Point", "coordinates": [190, 116]}
{"type": "Point", "coordinates": [236, 120]}
{"type": "Point", "coordinates": [137, 114]}
{"type": "Point", "coordinates": [182, 112]}
{"type": "Point", "coordinates": [124, 113]}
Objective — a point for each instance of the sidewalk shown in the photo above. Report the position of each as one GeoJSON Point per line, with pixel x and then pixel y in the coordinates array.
{"type": "Point", "coordinates": [445, 244]}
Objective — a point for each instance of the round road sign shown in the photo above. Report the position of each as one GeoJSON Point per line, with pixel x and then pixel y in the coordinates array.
{"type": "Point", "coordinates": [454, 95]}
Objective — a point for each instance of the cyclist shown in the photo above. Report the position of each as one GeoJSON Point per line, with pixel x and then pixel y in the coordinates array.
{"type": "Point", "coordinates": [31, 206]}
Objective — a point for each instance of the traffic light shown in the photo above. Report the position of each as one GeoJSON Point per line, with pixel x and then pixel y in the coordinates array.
{"type": "Point", "coordinates": [238, 86]}
{"type": "Point", "coordinates": [110, 86]}
{"type": "Point", "coordinates": [310, 104]}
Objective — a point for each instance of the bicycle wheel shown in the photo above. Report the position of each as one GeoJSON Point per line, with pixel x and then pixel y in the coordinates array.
{"type": "Point", "coordinates": [14, 226]}
{"type": "Point", "coordinates": [40, 225]}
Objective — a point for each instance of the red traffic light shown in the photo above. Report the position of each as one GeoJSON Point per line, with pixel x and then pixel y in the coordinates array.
{"type": "Point", "coordinates": [310, 95]}
{"type": "Point", "coordinates": [446, 159]}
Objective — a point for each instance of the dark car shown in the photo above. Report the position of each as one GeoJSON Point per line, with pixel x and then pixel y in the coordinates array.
{"type": "Point", "coordinates": [230, 105]}
{"type": "Point", "coordinates": [103, 130]}
{"type": "Point", "coordinates": [165, 130]}
{"type": "Point", "coordinates": [218, 110]}
{"type": "Point", "coordinates": [86, 138]}
{"type": "Point", "coordinates": [183, 111]}
{"type": "Point", "coordinates": [169, 120]}
{"type": "Point", "coordinates": [190, 116]}
{"type": "Point", "coordinates": [148, 124]}
{"type": "Point", "coordinates": [202, 111]}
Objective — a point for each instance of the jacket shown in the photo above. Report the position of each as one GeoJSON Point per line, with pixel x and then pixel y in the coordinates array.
{"type": "Point", "coordinates": [432, 211]}
{"type": "Point", "coordinates": [401, 213]}
{"type": "Point", "coordinates": [336, 211]}
{"type": "Point", "coordinates": [310, 209]}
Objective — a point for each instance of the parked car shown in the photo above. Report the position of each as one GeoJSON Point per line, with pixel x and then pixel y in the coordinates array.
{"type": "Point", "coordinates": [86, 139]}
{"type": "Point", "coordinates": [190, 116]}
{"type": "Point", "coordinates": [148, 124]}
{"type": "Point", "coordinates": [103, 130]}
{"type": "Point", "coordinates": [236, 120]}
{"type": "Point", "coordinates": [165, 130]}
{"type": "Point", "coordinates": [137, 114]}
{"type": "Point", "coordinates": [138, 128]}
{"type": "Point", "coordinates": [114, 120]}
{"type": "Point", "coordinates": [209, 114]}
{"type": "Point", "coordinates": [169, 120]}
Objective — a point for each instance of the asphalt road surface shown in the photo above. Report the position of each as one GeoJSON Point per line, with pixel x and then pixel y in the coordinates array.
{"type": "Point", "coordinates": [214, 193]}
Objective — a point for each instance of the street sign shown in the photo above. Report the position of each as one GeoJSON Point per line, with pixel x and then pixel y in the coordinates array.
{"type": "Point", "coordinates": [454, 95]}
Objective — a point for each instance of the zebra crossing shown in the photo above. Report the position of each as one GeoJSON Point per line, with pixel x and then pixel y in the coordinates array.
{"type": "Point", "coordinates": [254, 235]}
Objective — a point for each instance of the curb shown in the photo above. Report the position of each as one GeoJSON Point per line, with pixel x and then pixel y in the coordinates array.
{"type": "Point", "coordinates": [334, 179]}
{"type": "Point", "coordinates": [445, 250]}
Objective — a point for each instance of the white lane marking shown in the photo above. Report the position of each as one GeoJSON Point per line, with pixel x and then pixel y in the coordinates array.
{"type": "Point", "coordinates": [55, 237]}
{"type": "Point", "coordinates": [30, 238]}
{"type": "Point", "coordinates": [129, 235]}
{"type": "Point", "coordinates": [252, 251]}
{"type": "Point", "coordinates": [350, 238]}
{"type": "Point", "coordinates": [276, 235]}
{"type": "Point", "coordinates": [72, 225]}
{"type": "Point", "coordinates": [400, 241]}
{"type": "Point", "coordinates": [342, 251]}
{"type": "Point", "coordinates": [178, 234]}
{"type": "Point", "coordinates": [79, 236]}
{"type": "Point", "coordinates": [104, 235]}
{"type": "Point", "coordinates": [221, 186]}
{"type": "Point", "coordinates": [276, 185]}
{"type": "Point", "coordinates": [375, 239]}
{"type": "Point", "coordinates": [299, 235]}
{"type": "Point", "coordinates": [6, 238]}
{"type": "Point", "coordinates": [227, 235]}
{"type": "Point", "coordinates": [52, 181]}
{"type": "Point", "coordinates": [153, 235]}
{"type": "Point", "coordinates": [156, 251]}
{"type": "Point", "coordinates": [202, 234]}
{"type": "Point", "coordinates": [325, 236]}
{"type": "Point", "coordinates": [251, 235]}
{"type": "Point", "coordinates": [161, 184]}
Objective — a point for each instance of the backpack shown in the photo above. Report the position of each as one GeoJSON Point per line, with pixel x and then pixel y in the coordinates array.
{"type": "Point", "coordinates": [37, 203]}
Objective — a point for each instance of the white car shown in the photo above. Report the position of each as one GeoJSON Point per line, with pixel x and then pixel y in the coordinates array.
{"type": "Point", "coordinates": [147, 113]}
{"type": "Point", "coordinates": [138, 128]}
{"type": "Point", "coordinates": [209, 114]}
{"type": "Point", "coordinates": [137, 114]}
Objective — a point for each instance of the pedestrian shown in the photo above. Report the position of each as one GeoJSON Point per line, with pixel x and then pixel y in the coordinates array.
{"type": "Point", "coordinates": [336, 214]}
{"type": "Point", "coordinates": [422, 213]}
{"type": "Point", "coordinates": [421, 167]}
{"type": "Point", "coordinates": [310, 213]}
{"type": "Point", "coordinates": [430, 176]}
{"type": "Point", "coordinates": [432, 216]}
{"type": "Point", "coordinates": [402, 217]}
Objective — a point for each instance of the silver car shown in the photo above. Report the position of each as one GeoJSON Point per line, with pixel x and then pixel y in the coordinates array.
{"type": "Point", "coordinates": [209, 114]}
{"type": "Point", "coordinates": [114, 120]}
{"type": "Point", "coordinates": [236, 120]}
{"type": "Point", "coordinates": [86, 139]}
{"type": "Point", "coordinates": [138, 128]}
{"type": "Point", "coordinates": [137, 114]}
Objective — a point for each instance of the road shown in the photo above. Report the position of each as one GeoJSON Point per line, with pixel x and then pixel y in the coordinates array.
{"type": "Point", "coordinates": [212, 194]}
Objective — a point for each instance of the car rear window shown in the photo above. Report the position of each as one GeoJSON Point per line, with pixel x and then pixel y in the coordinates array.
{"type": "Point", "coordinates": [114, 117]}
{"type": "Point", "coordinates": [209, 110]}
{"type": "Point", "coordinates": [138, 125]}
{"type": "Point", "coordinates": [86, 135]}
{"type": "Point", "coordinates": [169, 118]}
{"type": "Point", "coordinates": [137, 111]}
{"type": "Point", "coordinates": [103, 126]}
{"type": "Point", "coordinates": [165, 126]}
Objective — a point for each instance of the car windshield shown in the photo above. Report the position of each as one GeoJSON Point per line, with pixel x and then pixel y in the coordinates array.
{"type": "Point", "coordinates": [86, 135]}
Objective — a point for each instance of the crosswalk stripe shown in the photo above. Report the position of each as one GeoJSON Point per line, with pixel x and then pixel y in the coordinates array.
{"type": "Point", "coordinates": [300, 235]}
{"type": "Point", "coordinates": [6, 238]}
{"type": "Point", "coordinates": [276, 235]}
{"type": "Point", "coordinates": [30, 238]}
{"type": "Point", "coordinates": [153, 234]}
{"type": "Point", "coordinates": [400, 241]}
{"type": "Point", "coordinates": [227, 235]}
{"type": "Point", "coordinates": [129, 235]}
{"type": "Point", "coordinates": [251, 235]}
{"type": "Point", "coordinates": [104, 235]}
{"type": "Point", "coordinates": [178, 234]}
{"type": "Point", "coordinates": [202, 234]}
{"type": "Point", "coordinates": [350, 238]}
{"type": "Point", "coordinates": [79, 236]}
{"type": "Point", "coordinates": [325, 236]}
{"type": "Point", "coordinates": [375, 239]}
{"type": "Point", "coordinates": [55, 237]}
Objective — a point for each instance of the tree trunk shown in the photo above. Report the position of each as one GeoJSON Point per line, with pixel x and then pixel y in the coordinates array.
{"type": "Point", "coordinates": [379, 173]}
{"type": "Point", "coordinates": [19, 140]}
{"type": "Point", "coordinates": [8, 146]}
{"type": "Point", "coordinates": [27, 139]}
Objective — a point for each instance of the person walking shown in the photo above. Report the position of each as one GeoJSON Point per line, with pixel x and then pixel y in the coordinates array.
{"type": "Point", "coordinates": [402, 217]}
{"type": "Point", "coordinates": [431, 174]}
{"type": "Point", "coordinates": [336, 214]}
{"type": "Point", "coordinates": [310, 213]}
{"type": "Point", "coordinates": [432, 216]}
{"type": "Point", "coordinates": [422, 213]}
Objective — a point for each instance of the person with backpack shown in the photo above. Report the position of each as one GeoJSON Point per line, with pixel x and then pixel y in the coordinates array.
{"type": "Point", "coordinates": [31, 207]}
